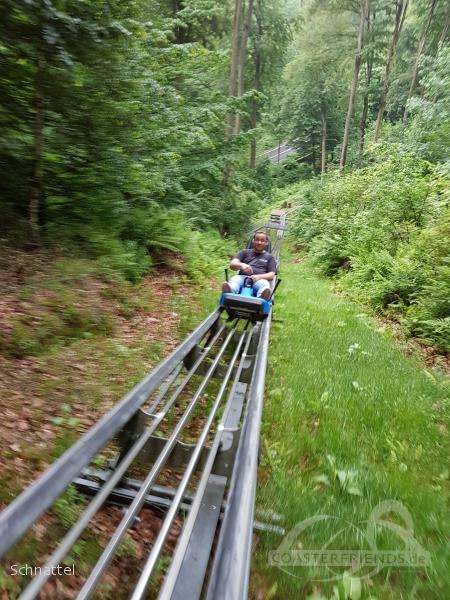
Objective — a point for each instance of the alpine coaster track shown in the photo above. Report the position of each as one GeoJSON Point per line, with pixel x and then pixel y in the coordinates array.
{"type": "Point", "coordinates": [142, 454]}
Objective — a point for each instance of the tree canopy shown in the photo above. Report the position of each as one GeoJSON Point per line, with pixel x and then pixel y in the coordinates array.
{"type": "Point", "coordinates": [126, 124]}
{"type": "Point", "coordinates": [113, 115]}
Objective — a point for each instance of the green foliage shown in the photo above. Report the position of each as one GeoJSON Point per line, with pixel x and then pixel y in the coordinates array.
{"type": "Point", "coordinates": [157, 230]}
{"type": "Point", "coordinates": [116, 120]}
{"type": "Point", "coordinates": [429, 129]}
{"type": "Point", "coordinates": [315, 82]}
{"type": "Point", "coordinates": [62, 306]}
{"type": "Point", "coordinates": [145, 233]}
{"type": "Point", "coordinates": [68, 507]}
{"type": "Point", "coordinates": [207, 255]}
{"type": "Point", "coordinates": [428, 316]}
{"type": "Point", "coordinates": [65, 419]}
{"type": "Point", "coordinates": [22, 341]}
{"type": "Point", "coordinates": [316, 79]}
{"type": "Point", "coordinates": [32, 336]}
{"type": "Point", "coordinates": [291, 193]}
{"type": "Point", "coordinates": [71, 299]}
{"type": "Point", "coordinates": [384, 230]}
{"type": "Point", "coordinates": [290, 171]}
{"type": "Point", "coordinates": [127, 547]}
{"type": "Point", "coordinates": [124, 257]}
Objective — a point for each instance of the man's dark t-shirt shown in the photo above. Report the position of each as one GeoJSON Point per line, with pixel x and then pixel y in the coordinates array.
{"type": "Point", "coordinates": [260, 262]}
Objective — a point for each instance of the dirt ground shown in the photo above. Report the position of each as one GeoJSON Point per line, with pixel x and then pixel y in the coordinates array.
{"type": "Point", "coordinates": [48, 400]}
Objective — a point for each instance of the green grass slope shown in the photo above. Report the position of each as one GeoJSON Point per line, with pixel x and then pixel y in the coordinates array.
{"type": "Point", "coordinates": [350, 422]}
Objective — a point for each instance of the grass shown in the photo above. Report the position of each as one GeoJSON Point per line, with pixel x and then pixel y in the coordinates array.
{"type": "Point", "coordinates": [349, 423]}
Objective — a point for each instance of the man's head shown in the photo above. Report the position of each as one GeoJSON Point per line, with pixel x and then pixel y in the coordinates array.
{"type": "Point", "coordinates": [260, 241]}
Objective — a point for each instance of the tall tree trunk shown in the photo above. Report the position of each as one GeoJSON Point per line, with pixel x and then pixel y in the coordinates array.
{"type": "Point", "coordinates": [402, 6]}
{"type": "Point", "coordinates": [34, 195]}
{"type": "Point", "coordinates": [351, 100]}
{"type": "Point", "coordinates": [418, 55]}
{"type": "Point", "coordinates": [241, 62]}
{"type": "Point", "coordinates": [365, 110]}
{"type": "Point", "coordinates": [368, 79]}
{"type": "Point", "coordinates": [313, 152]}
{"type": "Point", "coordinates": [257, 59]}
{"type": "Point", "coordinates": [446, 24]}
{"type": "Point", "coordinates": [235, 44]}
{"type": "Point", "coordinates": [323, 116]}
{"type": "Point", "coordinates": [442, 38]}
{"type": "Point", "coordinates": [253, 122]}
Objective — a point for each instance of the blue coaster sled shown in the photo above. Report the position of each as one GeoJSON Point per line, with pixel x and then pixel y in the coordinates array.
{"type": "Point", "coordinates": [245, 304]}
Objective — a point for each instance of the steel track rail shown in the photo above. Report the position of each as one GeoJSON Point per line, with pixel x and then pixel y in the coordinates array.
{"type": "Point", "coordinates": [231, 568]}
{"type": "Point", "coordinates": [150, 564]}
{"type": "Point", "coordinates": [180, 552]}
{"type": "Point", "coordinates": [94, 578]}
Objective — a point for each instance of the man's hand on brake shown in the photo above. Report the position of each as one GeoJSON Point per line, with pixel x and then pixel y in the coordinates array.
{"type": "Point", "coordinates": [255, 278]}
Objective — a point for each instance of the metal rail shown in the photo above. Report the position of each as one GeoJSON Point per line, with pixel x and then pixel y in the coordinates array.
{"type": "Point", "coordinates": [231, 569]}
{"type": "Point", "coordinates": [179, 557]}
{"type": "Point", "coordinates": [123, 466]}
{"type": "Point", "coordinates": [230, 572]}
{"type": "Point", "coordinates": [148, 426]}
{"type": "Point", "coordinates": [158, 545]}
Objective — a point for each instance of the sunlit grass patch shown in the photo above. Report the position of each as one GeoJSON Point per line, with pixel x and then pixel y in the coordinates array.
{"type": "Point", "coordinates": [349, 423]}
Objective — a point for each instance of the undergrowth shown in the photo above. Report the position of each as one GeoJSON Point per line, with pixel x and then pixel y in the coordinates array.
{"type": "Point", "coordinates": [383, 231]}
{"type": "Point", "coordinates": [65, 298]}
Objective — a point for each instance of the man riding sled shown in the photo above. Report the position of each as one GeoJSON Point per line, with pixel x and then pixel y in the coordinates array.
{"type": "Point", "coordinates": [255, 263]}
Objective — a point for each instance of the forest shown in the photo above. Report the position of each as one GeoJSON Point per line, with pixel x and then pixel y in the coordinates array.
{"type": "Point", "coordinates": [133, 141]}
{"type": "Point", "coordinates": [126, 126]}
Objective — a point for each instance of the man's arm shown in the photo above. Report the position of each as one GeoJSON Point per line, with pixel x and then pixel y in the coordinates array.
{"type": "Point", "coordinates": [237, 265]}
{"type": "Point", "coordinates": [269, 276]}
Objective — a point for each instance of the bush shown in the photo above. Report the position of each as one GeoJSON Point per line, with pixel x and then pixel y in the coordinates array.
{"type": "Point", "coordinates": [328, 254]}
{"type": "Point", "coordinates": [384, 230]}
{"type": "Point", "coordinates": [126, 258]}
{"type": "Point", "coordinates": [428, 317]}
{"type": "Point", "coordinates": [207, 255]}
{"type": "Point", "coordinates": [154, 229]}
{"type": "Point", "coordinates": [290, 171]}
